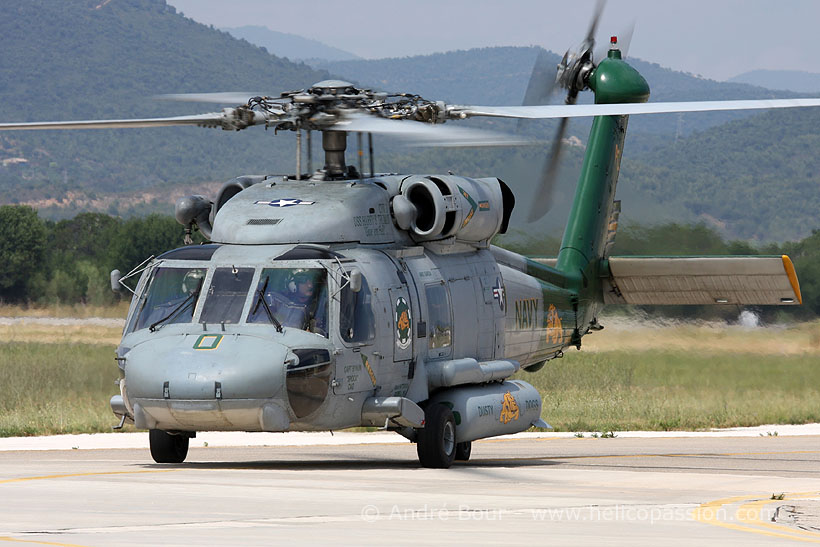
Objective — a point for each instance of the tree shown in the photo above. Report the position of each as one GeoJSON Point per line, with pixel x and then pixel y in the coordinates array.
{"type": "Point", "coordinates": [139, 238]}
{"type": "Point", "coordinates": [22, 249]}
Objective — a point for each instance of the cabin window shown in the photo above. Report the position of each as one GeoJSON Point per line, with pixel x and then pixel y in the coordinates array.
{"type": "Point", "coordinates": [226, 295]}
{"type": "Point", "coordinates": [356, 320]}
{"type": "Point", "coordinates": [171, 297]}
{"type": "Point", "coordinates": [438, 317]}
{"type": "Point", "coordinates": [308, 381]}
{"type": "Point", "coordinates": [295, 297]}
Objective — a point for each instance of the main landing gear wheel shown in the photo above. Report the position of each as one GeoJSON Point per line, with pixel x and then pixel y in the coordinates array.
{"type": "Point", "coordinates": [436, 443]}
{"type": "Point", "coordinates": [167, 448]}
{"type": "Point", "coordinates": [463, 451]}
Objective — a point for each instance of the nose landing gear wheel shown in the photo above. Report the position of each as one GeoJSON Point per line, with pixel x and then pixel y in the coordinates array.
{"type": "Point", "coordinates": [436, 443]}
{"type": "Point", "coordinates": [167, 448]}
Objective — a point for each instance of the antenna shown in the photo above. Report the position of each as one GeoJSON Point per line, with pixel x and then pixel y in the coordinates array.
{"type": "Point", "coordinates": [370, 154]}
{"type": "Point", "coordinates": [298, 154]}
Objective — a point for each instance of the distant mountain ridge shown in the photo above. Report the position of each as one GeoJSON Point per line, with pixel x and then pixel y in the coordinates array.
{"type": "Point", "coordinates": [291, 46]}
{"type": "Point", "coordinates": [793, 80]}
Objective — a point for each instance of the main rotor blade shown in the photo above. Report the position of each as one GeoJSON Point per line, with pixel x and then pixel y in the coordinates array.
{"type": "Point", "coordinates": [227, 97]}
{"type": "Point", "coordinates": [542, 201]}
{"type": "Point", "coordinates": [213, 119]}
{"type": "Point", "coordinates": [623, 109]}
{"type": "Point", "coordinates": [426, 134]}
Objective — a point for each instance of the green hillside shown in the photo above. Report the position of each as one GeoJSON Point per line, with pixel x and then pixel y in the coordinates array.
{"type": "Point", "coordinates": [754, 178]}
{"type": "Point", "coordinates": [74, 59]}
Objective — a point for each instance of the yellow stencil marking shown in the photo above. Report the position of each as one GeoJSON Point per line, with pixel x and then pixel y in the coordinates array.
{"type": "Point", "coordinates": [366, 362]}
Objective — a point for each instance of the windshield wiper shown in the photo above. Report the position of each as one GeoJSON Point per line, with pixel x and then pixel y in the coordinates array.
{"type": "Point", "coordinates": [182, 305]}
{"type": "Point", "coordinates": [261, 300]}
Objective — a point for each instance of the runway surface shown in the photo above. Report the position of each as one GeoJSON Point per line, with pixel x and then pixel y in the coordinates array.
{"type": "Point", "coordinates": [523, 491]}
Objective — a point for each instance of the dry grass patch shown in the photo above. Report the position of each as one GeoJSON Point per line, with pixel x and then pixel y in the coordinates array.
{"type": "Point", "coordinates": [78, 311]}
{"type": "Point", "coordinates": [50, 389]}
{"type": "Point", "coordinates": [622, 334]}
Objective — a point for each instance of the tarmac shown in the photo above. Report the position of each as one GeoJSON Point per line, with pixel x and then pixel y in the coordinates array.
{"type": "Point", "coordinates": [749, 486]}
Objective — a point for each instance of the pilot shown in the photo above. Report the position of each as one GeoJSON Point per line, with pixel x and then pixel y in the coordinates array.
{"type": "Point", "coordinates": [192, 281]}
{"type": "Point", "coordinates": [301, 287]}
{"type": "Point", "coordinates": [306, 310]}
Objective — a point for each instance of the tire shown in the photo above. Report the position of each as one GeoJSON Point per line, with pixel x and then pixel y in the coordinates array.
{"type": "Point", "coordinates": [436, 444]}
{"type": "Point", "coordinates": [167, 448]}
{"type": "Point", "coordinates": [463, 451]}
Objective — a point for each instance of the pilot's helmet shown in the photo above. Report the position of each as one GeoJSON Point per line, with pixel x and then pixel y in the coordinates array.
{"type": "Point", "coordinates": [299, 275]}
{"type": "Point", "coordinates": [192, 280]}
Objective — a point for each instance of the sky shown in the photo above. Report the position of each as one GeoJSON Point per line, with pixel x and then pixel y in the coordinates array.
{"type": "Point", "coordinates": [717, 39]}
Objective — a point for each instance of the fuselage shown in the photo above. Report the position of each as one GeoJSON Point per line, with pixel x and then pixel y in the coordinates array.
{"type": "Point", "coordinates": [219, 362]}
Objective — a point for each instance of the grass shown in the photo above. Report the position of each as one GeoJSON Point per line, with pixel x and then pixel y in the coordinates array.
{"type": "Point", "coordinates": [59, 378]}
{"type": "Point", "coordinates": [81, 311]}
{"type": "Point", "coordinates": [667, 390]}
{"type": "Point", "coordinates": [48, 388]}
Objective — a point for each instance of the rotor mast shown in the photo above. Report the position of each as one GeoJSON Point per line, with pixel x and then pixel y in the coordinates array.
{"type": "Point", "coordinates": [334, 144]}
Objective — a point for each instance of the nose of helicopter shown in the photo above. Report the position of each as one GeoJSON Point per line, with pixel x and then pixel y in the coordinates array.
{"type": "Point", "coordinates": [209, 382]}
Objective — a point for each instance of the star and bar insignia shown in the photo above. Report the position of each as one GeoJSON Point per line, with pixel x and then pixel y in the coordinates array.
{"type": "Point", "coordinates": [284, 202]}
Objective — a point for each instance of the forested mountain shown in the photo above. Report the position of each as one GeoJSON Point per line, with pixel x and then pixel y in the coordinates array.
{"type": "Point", "coordinates": [75, 59]}
{"type": "Point", "coordinates": [755, 177]}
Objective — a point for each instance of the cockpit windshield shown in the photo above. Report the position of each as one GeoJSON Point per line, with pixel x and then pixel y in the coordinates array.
{"type": "Point", "coordinates": [171, 296]}
{"type": "Point", "coordinates": [226, 295]}
{"type": "Point", "coordinates": [295, 297]}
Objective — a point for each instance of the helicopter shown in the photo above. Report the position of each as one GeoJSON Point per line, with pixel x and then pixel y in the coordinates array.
{"type": "Point", "coordinates": [337, 298]}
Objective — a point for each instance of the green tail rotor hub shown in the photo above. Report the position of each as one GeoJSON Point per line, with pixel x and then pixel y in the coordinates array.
{"type": "Point", "coordinates": [614, 81]}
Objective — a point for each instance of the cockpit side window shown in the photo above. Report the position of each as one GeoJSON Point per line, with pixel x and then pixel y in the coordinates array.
{"type": "Point", "coordinates": [296, 297]}
{"type": "Point", "coordinates": [226, 295]}
{"type": "Point", "coordinates": [171, 294]}
{"type": "Point", "coordinates": [356, 319]}
{"type": "Point", "coordinates": [438, 311]}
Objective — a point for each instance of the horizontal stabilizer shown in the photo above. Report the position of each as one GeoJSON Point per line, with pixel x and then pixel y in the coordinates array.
{"type": "Point", "coordinates": [742, 280]}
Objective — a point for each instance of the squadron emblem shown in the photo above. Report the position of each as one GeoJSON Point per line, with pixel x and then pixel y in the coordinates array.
{"type": "Point", "coordinates": [555, 330]}
{"type": "Point", "coordinates": [509, 409]}
{"type": "Point", "coordinates": [402, 323]}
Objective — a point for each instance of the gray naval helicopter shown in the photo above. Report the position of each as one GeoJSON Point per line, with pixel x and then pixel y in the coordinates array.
{"type": "Point", "coordinates": [336, 299]}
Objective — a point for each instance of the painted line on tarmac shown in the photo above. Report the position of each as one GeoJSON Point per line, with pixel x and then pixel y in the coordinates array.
{"type": "Point", "coordinates": [70, 475]}
{"type": "Point", "coordinates": [749, 514]}
{"type": "Point", "coordinates": [614, 456]}
{"type": "Point", "coordinates": [36, 542]}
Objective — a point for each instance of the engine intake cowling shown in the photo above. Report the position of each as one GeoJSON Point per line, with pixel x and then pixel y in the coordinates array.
{"type": "Point", "coordinates": [432, 208]}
